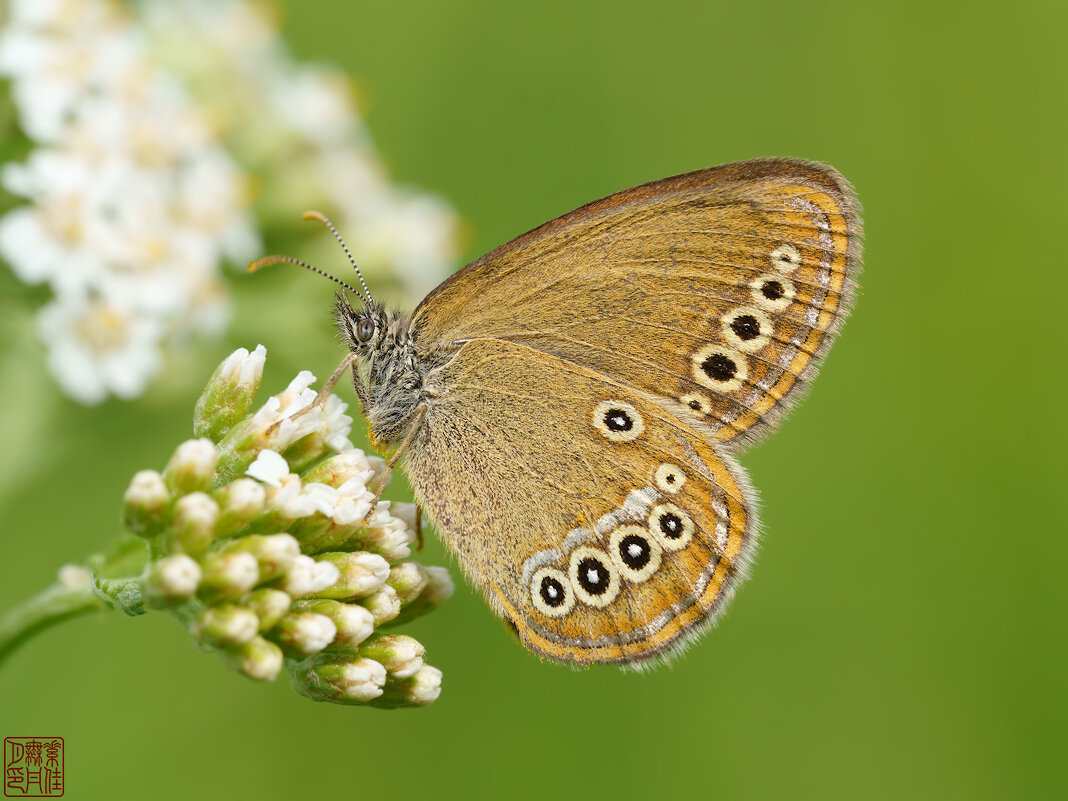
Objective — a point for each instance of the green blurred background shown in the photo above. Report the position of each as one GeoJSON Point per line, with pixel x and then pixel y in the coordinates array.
{"type": "Point", "coordinates": [904, 634]}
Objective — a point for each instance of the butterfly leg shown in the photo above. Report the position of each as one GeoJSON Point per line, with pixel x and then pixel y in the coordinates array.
{"type": "Point", "coordinates": [413, 429]}
{"type": "Point", "coordinates": [418, 528]}
{"type": "Point", "coordinates": [324, 393]}
{"type": "Point", "coordinates": [331, 382]}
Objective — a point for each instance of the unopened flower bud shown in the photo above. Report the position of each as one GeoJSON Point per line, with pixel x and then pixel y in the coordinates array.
{"type": "Point", "coordinates": [418, 690]}
{"type": "Point", "coordinates": [399, 654]}
{"type": "Point", "coordinates": [409, 579]}
{"type": "Point", "coordinates": [192, 467]}
{"type": "Point", "coordinates": [146, 503]}
{"type": "Point", "coordinates": [341, 468]}
{"type": "Point", "coordinates": [228, 395]}
{"type": "Point", "coordinates": [257, 659]}
{"type": "Point", "coordinates": [171, 580]}
{"type": "Point", "coordinates": [383, 604]}
{"type": "Point", "coordinates": [354, 623]}
{"type": "Point", "coordinates": [274, 553]}
{"type": "Point", "coordinates": [269, 606]}
{"type": "Point", "coordinates": [226, 625]}
{"type": "Point", "coordinates": [359, 574]}
{"type": "Point", "coordinates": [339, 678]}
{"type": "Point", "coordinates": [303, 633]}
{"type": "Point", "coordinates": [193, 525]}
{"type": "Point", "coordinates": [240, 502]}
{"type": "Point", "coordinates": [305, 576]}
{"type": "Point", "coordinates": [74, 576]}
{"type": "Point", "coordinates": [438, 589]}
{"type": "Point", "coordinates": [386, 535]}
{"type": "Point", "coordinates": [227, 576]}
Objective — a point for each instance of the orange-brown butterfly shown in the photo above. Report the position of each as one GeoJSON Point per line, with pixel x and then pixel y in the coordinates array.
{"type": "Point", "coordinates": [569, 405]}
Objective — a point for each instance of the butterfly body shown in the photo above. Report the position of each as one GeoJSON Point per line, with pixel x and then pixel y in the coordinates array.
{"type": "Point", "coordinates": [568, 405]}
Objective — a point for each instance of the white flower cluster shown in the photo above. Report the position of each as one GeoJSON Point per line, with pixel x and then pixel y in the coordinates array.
{"type": "Point", "coordinates": [266, 561]}
{"type": "Point", "coordinates": [147, 120]}
{"type": "Point", "coordinates": [307, 140]}
{"type": "Point", "coordinates": [133, 200]}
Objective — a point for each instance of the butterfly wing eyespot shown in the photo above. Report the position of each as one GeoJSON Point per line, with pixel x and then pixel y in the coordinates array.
{"type": "Point", "coordinates": [671, 526]}
{"type": "Point", "coordinates": [636, 552]}
{"type": "Point", "coordinates": [551, 592]}
{"type": "Point", "coordinates": [594, 576]}
{"type": "Point", "coordinates": [618, 421]}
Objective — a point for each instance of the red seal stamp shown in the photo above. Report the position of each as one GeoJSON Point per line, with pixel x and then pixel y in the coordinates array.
{"type": "Point", "coordinates": [33, 767]}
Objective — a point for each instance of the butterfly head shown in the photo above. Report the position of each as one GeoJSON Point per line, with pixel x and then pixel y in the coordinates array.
{"type": "Point", "coordinates": [365, 330]}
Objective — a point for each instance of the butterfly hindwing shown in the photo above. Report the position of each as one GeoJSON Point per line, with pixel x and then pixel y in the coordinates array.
{"type": "Point", "coordinates": [717, 292]}
{"type": "Point", "coordinates": [603, 526]}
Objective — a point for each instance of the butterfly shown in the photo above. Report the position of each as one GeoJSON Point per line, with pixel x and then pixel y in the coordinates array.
{"type": "Point", "coordinates": [570, 405]}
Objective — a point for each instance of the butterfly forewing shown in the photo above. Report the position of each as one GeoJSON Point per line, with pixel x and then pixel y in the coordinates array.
{"type": "Point", "coordinates": [603, 526]}
{"type": "Point", "coordinates": [718, 291]}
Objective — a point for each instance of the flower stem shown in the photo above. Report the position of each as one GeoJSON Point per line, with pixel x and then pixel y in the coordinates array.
{"type": "Point", "coordinates": [44, 610]}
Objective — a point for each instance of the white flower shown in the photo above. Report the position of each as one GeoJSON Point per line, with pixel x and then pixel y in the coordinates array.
{"type": "Point", "coordinates": [310, 141]}
{"type": "Point", "coordinates": [97, 347]}
{"type": "Point", "coordinates": [133, 203]}
{"type": "Point", "coordinates": [269, 467]}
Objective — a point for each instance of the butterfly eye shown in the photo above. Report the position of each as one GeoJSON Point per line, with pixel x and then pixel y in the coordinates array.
{"type": "Point", "coordinates": [364, 329]}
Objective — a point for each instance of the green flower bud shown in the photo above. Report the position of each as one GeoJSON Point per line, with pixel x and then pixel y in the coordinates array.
{"type": "Point", "coordinates": [421, 689]}
{"type": "Point", "coordinates": [384, 534]}
{"type": "Point", "coordinates": [409, 579]}
{"type": "Point", "coordinates": [268, 605]}
{"type": "Point", "coordinates": [228, 395]}
{"type": "Point", "coordinates": [226, 625]}
{"type": "Point", "coordinates": [339, 468]}
{"type": "Point", "coordinates": [258, 659]}
{"type": "Point", "coordinates": [303, 633]}
{"type": "Point", "coordinates": [339, 678]}
{"type": "Point", "coordinates": [305, 576]}
{"type": "Point", "coordinates": [170, 581]}
{"type": "Point", "coordinates": [399, 654]}
{"type": "Point", "coordinates": [192, 467]}
{"type": "Point", "coordinates": [240, 502]}
{"type": "Point", "coordinates": [227, 576]}
{"type": "Point", "coordinates": [359, 574]}
{"type": "Point", "coordinates": [383, 604]}
{"type": "Point", "coordinates": [147, 501]}
{"type": "Point", "coordinates": [354, 623]}
{"type": "Point", "coordinates": [274, 553]}
{"type": "Point", "coordinates": [193, 524]}
{"type": "Point", "coordinates": [438, 589]}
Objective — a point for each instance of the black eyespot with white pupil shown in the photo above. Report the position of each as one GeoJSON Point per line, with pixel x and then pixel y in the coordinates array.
{"type": "Point", "coordinates": [671, 525]}
{"type": "Point", "coordinates": [364, 329]}
{"type": "Point", "coordinates": [618, 420]}
{"type": "Point", "coordinates": [634, 551]}
{"type": "Point", "coordinates": [552, 592]}
{"type": "Point", "coordinates": [593, 575]}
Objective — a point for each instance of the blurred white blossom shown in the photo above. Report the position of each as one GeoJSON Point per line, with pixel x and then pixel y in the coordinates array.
{"type": "Point", "coordinates": [133, 200]}
{"type": "Point", "coordinates": [308, 142]}
{"type": "Point", "coordinates": [148, 121]}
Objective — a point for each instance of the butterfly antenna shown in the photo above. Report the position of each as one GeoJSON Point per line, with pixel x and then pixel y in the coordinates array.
{"type": "Point", "coordinates": [267, 261]}
{"type": "Point", "coordinates": [318, 215]}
